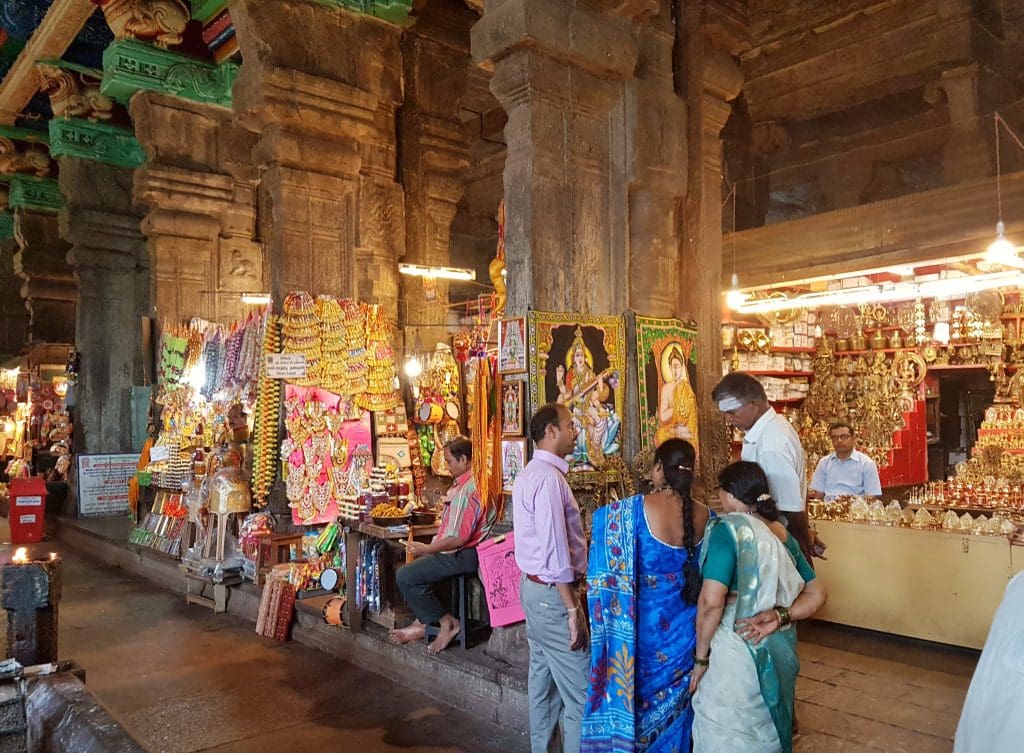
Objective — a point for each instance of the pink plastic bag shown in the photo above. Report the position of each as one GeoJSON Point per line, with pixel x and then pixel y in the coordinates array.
{"type": "Point", "coordinates": [500, 575]}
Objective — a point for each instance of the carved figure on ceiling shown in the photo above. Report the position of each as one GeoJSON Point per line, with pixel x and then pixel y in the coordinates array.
{"type": "Point", "coordinates": [161, 21]}
{"type": "Point", "coordinates": [74, 95]}
{"type": "Point", "coordinates": [33, 159]}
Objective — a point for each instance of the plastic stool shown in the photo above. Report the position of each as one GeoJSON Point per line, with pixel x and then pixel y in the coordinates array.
{"type": "Point", "coordinates": [460, 608]}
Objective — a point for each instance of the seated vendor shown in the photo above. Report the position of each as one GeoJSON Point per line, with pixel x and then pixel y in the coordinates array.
{"type": "Point", "coordinates": [846, 471]}
{"type": "Point", "coordinates": [465, 522]}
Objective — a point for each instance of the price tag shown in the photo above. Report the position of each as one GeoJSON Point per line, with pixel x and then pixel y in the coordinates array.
{"type": "Point", "coordinates": [286, 365]}
{"type": "Point", "coordinates": [157, 454]}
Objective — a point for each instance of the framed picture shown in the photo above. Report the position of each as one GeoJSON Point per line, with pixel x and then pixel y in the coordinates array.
{"type": "Point", "coordinates": [666, 351]}
{"type": "Point", "coordinates": [513, 460]}
{"type": "Point", "coordinates": [578, 361]}
{"type": "Point", "coordinates": [512, 408]}
{"type": "Point", "coordinates": [512, 346]}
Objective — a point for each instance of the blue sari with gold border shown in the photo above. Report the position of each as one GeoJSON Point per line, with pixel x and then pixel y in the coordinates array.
{"type": "Point", "coordinates": [642, 638]}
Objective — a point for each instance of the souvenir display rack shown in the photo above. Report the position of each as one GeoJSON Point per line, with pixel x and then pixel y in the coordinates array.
{"type": "Point", "coordinates": [163, 527]}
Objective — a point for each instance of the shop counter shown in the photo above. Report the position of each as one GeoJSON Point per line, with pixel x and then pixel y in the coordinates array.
{"type": "Point", "coordinates": [931, 585]}
{"type": "Point", "coordinates": [388, 616]}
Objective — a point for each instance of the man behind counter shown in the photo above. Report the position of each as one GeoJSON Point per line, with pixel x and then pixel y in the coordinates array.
{"type": "Point", "coordinates": [845, 471]}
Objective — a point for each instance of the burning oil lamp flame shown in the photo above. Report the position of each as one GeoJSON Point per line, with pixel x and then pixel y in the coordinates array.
{"type": "Point", "coordinates": [20, 556]}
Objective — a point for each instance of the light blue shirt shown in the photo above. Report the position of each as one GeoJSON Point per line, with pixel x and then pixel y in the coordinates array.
{"type": "Point", "coordinates": [857, 475]}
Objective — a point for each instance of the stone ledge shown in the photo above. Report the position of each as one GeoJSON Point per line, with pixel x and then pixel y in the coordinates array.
{"type": "Point", "coordinates": [64, 717]}
{"type": "Point", "coordinates": [471, 680]}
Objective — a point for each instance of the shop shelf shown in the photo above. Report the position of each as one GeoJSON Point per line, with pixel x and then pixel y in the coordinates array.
{"type": "Point", "coordinates": [781, 373]}
{"type": "Point", "coordinates": [779, 349]}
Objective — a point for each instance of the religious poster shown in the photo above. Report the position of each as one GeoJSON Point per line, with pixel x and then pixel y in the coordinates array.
{"type": "Point", "coordinates": [513, 460]}
{"type": "Point", "coordinates": [666, 370]}
{"type": "Point", "coordinates": [579, 361]}
{"type": "Point", "coordinates": [512, 346]}
{"type": "Point", "coordinates": [512, 408]}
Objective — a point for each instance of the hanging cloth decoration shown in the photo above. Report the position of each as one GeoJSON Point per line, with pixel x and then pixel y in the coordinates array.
{"type": "Point", "coordinates": [486, 438]}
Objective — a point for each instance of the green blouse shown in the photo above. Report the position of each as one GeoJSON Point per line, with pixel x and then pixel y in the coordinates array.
{"type": "Point", "coordinates": [720, 564]}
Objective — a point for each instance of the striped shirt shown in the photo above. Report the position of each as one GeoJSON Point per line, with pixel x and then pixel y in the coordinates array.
{"type": "Point", "coordinates": [464, 515]}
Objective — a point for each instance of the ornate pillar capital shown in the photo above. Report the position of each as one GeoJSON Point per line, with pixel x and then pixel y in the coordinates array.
{"type": "Point", "coordinates": [580, 35]}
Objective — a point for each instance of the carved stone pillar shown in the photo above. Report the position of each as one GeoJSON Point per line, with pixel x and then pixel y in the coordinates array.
{"type": "Point", "coordinates": [967, 153]}
{"type": "Point", "coordinates": [200, 191]}
{"type": "Point", "coordinates": [658, 169]}
{"type": "Point", "coordinates": [109, 259]}
{"type": "Point", "coordinates": [48, 286]}
{"type": "Point", "coordinates": [331, 213]}
{"type": "Point", "coordinates": [434, 155]}
{"type": "Point", "coordinates": [713, 80]}
{"type": "Point", "coordinates": [13, 313]}
{"type": "Point", "coordinates": [559, 72]}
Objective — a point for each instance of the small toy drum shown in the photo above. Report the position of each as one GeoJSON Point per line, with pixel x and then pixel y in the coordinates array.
{"type": "Point", "coordinates": [330, 578]}
{"type": "Point", "coordinates": [333, 610]}
{"type": "Point", "coordinates": [431, 413]}
{"type": "Point", "coordinates": [451, 409]}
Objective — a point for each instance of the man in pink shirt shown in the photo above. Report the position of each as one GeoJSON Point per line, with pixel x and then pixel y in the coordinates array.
{"type": "Point", "coordinates": [552, 554]}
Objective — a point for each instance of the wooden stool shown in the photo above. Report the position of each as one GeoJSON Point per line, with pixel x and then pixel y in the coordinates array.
{"type": "Point", "coordinates": [275, 549]}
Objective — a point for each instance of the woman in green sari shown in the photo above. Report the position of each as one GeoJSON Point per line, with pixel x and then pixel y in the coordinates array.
{"type": "Point", "coordinates": [756, 581]}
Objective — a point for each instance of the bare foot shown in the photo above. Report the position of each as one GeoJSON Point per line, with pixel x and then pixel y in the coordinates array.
{"type": "Point", "coordinates": [401, 636]}
{"type": "Point", "coordinates": [449, 629]}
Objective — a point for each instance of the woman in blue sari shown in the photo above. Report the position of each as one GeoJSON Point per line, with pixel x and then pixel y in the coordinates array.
{"type": "Point", "coordinates": [643, 586]}
{"type": "Point", "coordinates": [756, 582]}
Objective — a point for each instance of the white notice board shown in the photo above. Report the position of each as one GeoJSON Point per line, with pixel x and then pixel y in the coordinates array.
{"type": "Point", "coordinates": [286, 365]}
{"type": "Point", "coordinates": [103, 483]}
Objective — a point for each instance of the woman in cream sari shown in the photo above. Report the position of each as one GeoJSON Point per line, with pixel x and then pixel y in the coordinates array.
{"type": "Point", "coordinates": [756, 581]}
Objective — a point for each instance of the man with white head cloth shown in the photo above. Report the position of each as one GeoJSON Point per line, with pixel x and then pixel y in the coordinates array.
{"type": "Point", "coordinates": [771, 442]}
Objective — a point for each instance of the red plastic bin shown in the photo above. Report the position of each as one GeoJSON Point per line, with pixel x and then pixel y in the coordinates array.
{"type": "Point", "coordinates": [27, 507]}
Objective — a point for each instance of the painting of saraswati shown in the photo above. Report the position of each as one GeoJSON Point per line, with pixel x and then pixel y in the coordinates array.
{"type": "Point", "coordinates": [578, 364]}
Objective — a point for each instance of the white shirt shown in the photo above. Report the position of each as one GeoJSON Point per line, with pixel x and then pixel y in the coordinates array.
{"type": "Point", "coordinates": [773, 444]}
{"type": "Point", "coordinates": [856, 475]}
{"type": "Point", "coordinates": [991, 721]}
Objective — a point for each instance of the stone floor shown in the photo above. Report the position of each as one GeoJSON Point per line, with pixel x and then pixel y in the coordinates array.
{"type": "Point", "coordinates": [181, 679]}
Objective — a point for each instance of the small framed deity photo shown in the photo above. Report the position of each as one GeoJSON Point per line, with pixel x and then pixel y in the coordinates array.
{"type": "Point", "coordinates": [512, 408]}
{"type": "Point", "coordinates": [512, 346]}
{"type": "Point", "coordinates": [513, 460]}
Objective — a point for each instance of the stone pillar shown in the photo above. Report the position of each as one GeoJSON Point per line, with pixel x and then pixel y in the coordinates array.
{"type": "Point", "coordinates": [657, 168]}
{"type": "Point", "coordinates": [967, 154]}
{"type": "Point", "coordinates": [559, 72]}
{"type": "Point", "coordinates": [331, 213]}
{"type": "Point", "coordinates": [200, 189]}
{"type": "Point", "coordinates": [13, 313]}
{"type": "Point", "coordinates": [713, 79]}
{"type": "Point", "coordinates": [434, 155]}
{"type": "Point", "coordinates": [110, 262]}
{"type": "Point", "coordinates": [48, 286]}
{"type": "Point", "coordinates": [31, 594]}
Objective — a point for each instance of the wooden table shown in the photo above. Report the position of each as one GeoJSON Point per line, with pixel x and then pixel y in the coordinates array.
{"type": "Point", "coordinates": [354, 532]}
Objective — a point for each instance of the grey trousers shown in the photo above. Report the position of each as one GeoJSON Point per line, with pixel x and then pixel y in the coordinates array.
{"type": "Point", "coordinates": [558, 677]}
{"type": "Point", "coordinates": [416, 580]}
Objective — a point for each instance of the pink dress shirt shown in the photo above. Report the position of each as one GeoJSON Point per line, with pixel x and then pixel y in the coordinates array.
{"type": "Point", "coordinates": [546, 519]}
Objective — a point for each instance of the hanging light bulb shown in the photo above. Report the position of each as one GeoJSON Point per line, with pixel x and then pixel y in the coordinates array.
{"type": "Point", "coordinates": [413, 367]}
{"type": "Point", "coordinates": [1001, 250]}
{"type": "Point", "coordinates": [735, 298]}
